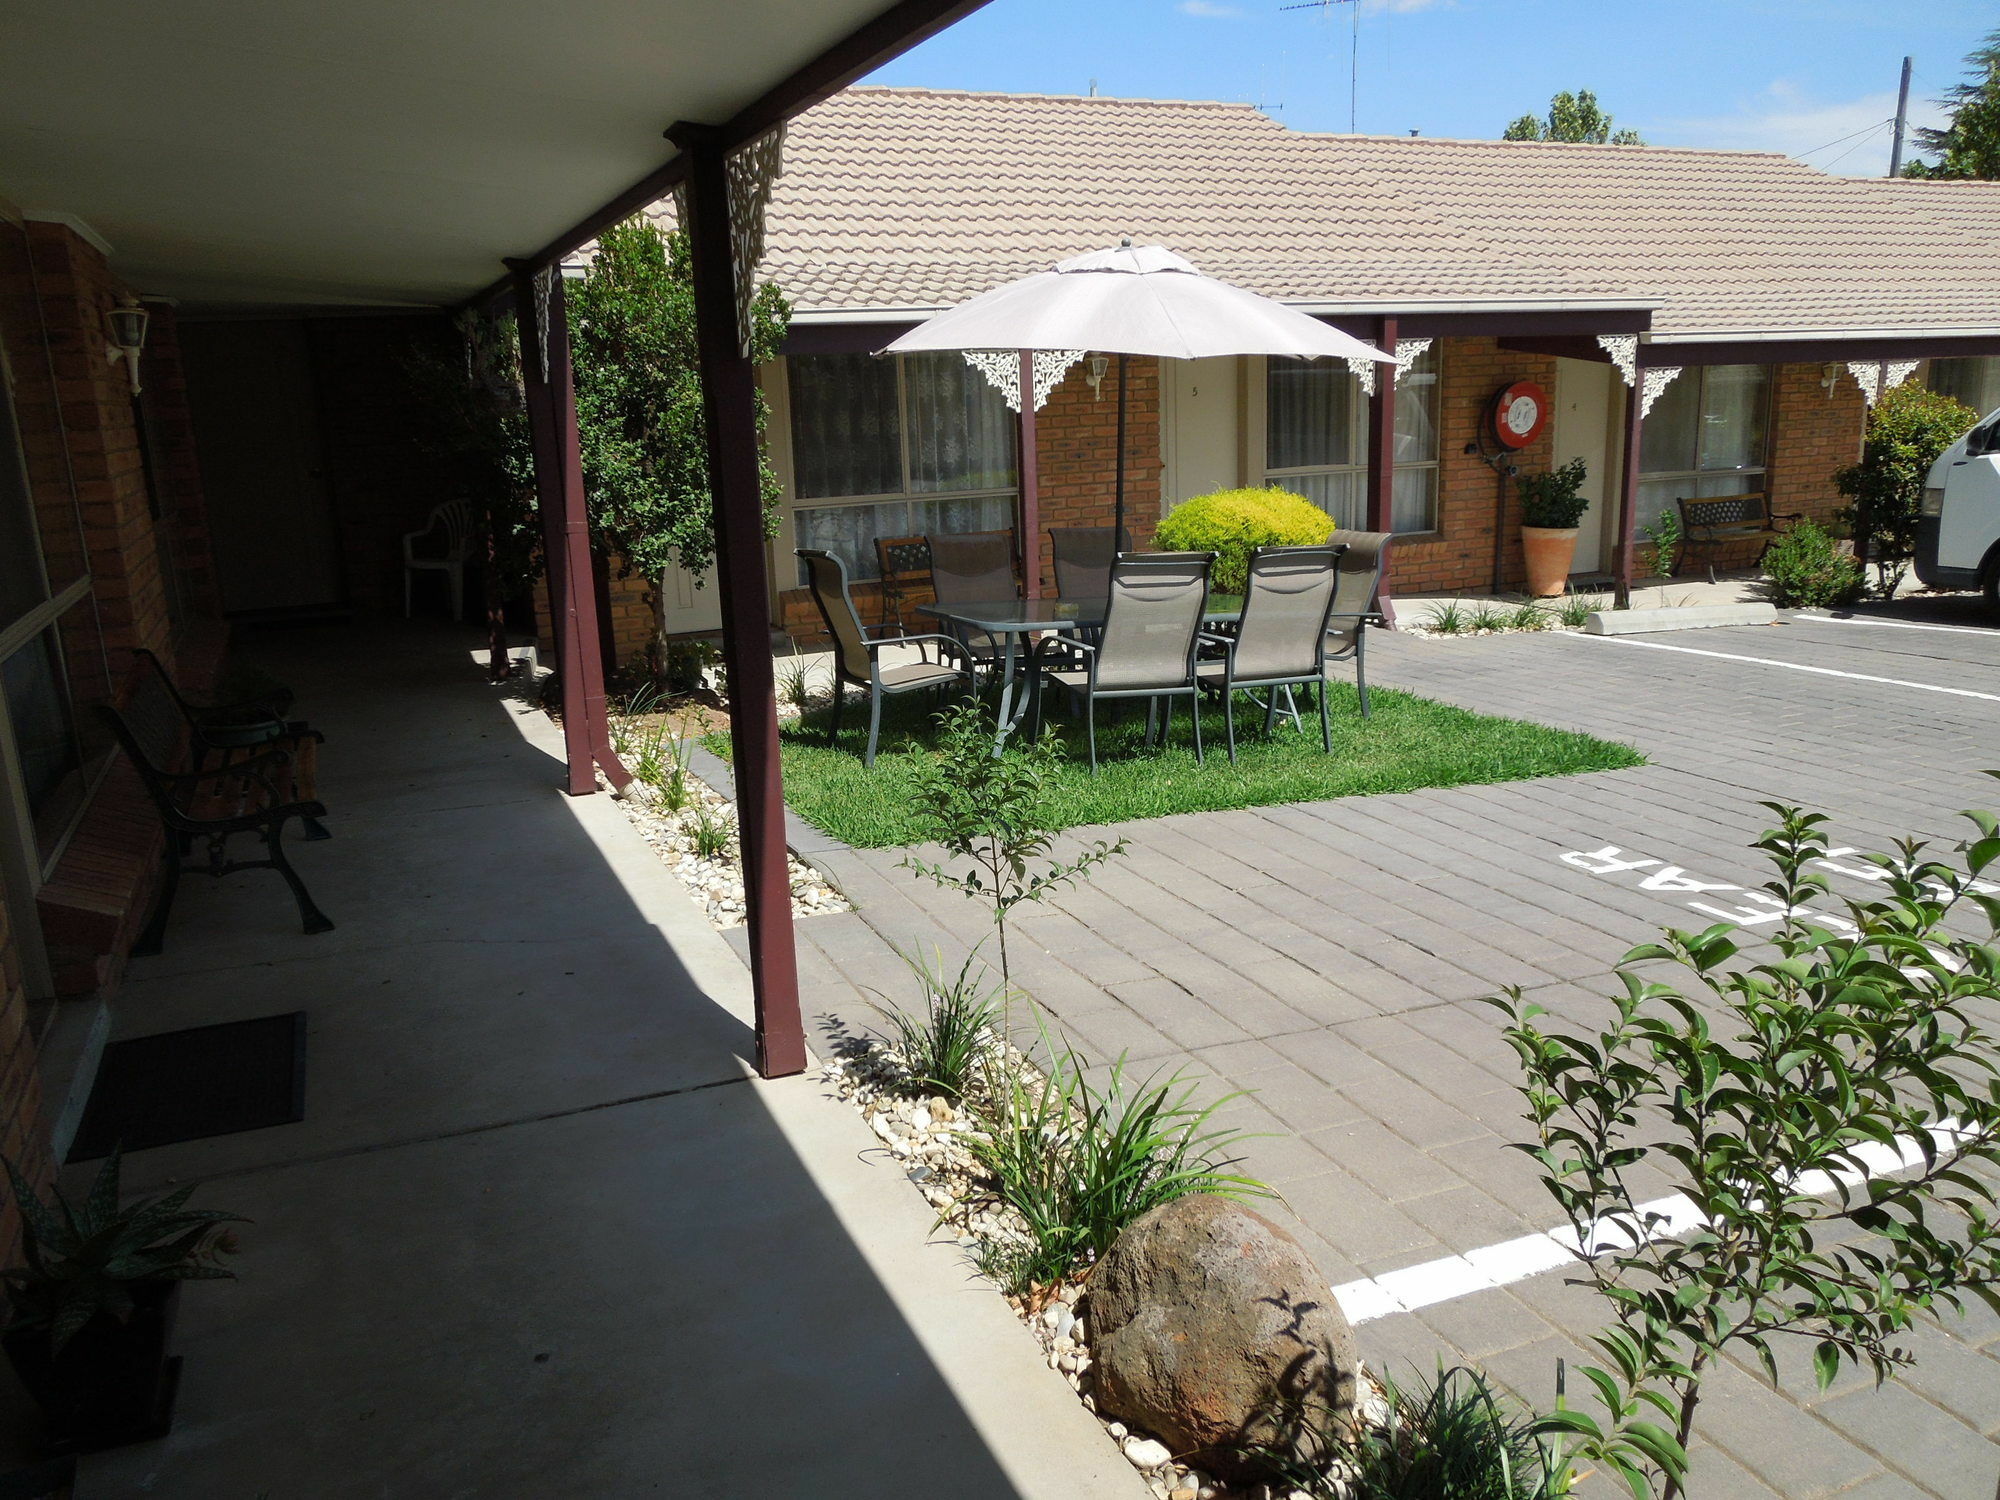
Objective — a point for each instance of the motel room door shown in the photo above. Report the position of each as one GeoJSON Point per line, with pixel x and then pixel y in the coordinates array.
{"type": "Point", "coordinates": [1589, 400]}
{"type": "Point", "coordinates": [263, 465]}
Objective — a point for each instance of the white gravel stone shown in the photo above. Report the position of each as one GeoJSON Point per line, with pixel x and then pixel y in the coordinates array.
{"type": "Point", "coordinates": [1145, 1453]}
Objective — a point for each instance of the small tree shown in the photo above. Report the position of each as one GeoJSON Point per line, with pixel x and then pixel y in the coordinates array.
{"type": "Point", "coordinates": [988, 809]}
{"type": "Point", "coordinates": [1969, 145]}
{"type": "Point", "coordinates": [639, 400]}
{"type": "Point", "coordinates": [474, 438]}
{"type": "Point", "coordinates": [1907, 430]}
{"type": "Point", "coordinates": [1571, 117]}
{"type": "Point", "coordinates": [1829, 1118]}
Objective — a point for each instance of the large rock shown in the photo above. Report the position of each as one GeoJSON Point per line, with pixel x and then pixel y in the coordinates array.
{"type": "Point", "coordinates": [1207, 1321]}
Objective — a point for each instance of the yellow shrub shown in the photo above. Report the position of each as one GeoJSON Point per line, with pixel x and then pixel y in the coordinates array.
{"type": "Point", "coordinates": [1231, 523]}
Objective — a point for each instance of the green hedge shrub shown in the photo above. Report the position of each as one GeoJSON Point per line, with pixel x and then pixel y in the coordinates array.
{"type": "Point", "coordinates": [1907, 430]}
{"type": "Point", "coordinates": [1230, 523]}
{"type": "Point", "coordinates": [1807, 571]}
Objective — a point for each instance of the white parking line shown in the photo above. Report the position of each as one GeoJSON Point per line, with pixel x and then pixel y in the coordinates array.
{"type": "Point", "coordinates": [1892, 624]}
{"type": "Point", "coordinates": [1789, 666]}
{"type": "Point", "coordinates": [1500, 1265]}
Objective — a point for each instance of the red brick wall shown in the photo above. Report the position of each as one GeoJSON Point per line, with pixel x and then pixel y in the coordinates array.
{"type": "Point", "coordinates": [1459, 555]}
{"type": "Point", "coordinates": [77, 291]}
{"type": "Point", "coordinates": [21, 1137]}
{"type": "Point", "coordinates": [1813, 434]}
{"type": "Point", "coordinates": [176, 467]}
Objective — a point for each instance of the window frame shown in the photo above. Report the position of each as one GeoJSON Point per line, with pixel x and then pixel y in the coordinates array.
{"type": "Point", "coordinates": [1258, 433]}
{"type": "Point", "coordinates": [794, 502]}
{"type": "Point", "coordinates": [1761, 470]}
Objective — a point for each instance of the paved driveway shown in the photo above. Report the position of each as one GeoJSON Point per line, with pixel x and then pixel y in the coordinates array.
{"type": "Point", "coordinates": [1325, 959]}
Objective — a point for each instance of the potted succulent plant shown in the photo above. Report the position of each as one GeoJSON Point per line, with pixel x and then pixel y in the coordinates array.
{"type": "Point", "coordinates": [1550, 510]}
{"type": "Point", "coordinates": [93, 1306]}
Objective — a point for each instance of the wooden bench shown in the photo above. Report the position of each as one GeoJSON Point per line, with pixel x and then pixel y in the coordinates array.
{"type": "Point", "coordinates": [212, 772]}
{"type": "Point", "coordinates": [1713, 523]}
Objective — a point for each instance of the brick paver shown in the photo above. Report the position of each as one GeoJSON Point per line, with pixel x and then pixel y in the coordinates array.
{"type": "Point", "coordinates": [1326, 960]}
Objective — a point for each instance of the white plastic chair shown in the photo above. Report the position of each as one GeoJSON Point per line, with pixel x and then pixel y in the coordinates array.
{"type": "Point", "coordinates": [455, 519]}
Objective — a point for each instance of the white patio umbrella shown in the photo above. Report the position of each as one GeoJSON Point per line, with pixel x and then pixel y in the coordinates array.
{"type": "Point", "coordinates": [1135, 299]}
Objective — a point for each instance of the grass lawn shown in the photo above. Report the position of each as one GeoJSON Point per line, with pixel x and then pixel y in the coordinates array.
{"type": "Point", "coordinates": [1408, 743]}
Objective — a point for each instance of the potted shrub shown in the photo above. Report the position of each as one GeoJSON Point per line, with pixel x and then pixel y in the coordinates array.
{"type": "Point", "coordinates": [1550, 509]}
{"type": "Point", "coordinates": [93, 1307]}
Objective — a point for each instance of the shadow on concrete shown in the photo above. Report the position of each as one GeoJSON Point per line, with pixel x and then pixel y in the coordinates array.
{"type": "Point", "coordinates": [539, 1233]}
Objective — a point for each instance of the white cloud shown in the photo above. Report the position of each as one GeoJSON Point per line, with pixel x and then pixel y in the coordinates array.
{"type": "Point", "coordinates": [1850, 137]}
{"type": "Point", "coordinates": [1209, 10]}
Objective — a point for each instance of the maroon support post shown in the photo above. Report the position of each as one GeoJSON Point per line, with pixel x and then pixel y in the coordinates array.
{"type": "Point", "coordinates": [1031, 497]}
{"type": "Point", "coordinates": [729, 397]}
{"type": "Point", "coordinates": [551, 399]}
{"type": "Point", "coordinates": [1382, 460]}
{"type": "Point", "coordinates": [1628, 491]}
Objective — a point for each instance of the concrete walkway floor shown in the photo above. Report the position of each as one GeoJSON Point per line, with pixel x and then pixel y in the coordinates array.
{"type": "Point", "coordinates": [540, 1232]}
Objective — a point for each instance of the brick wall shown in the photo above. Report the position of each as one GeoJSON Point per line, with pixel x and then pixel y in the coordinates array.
{"type": "Point", "coordinates": [176, 468]}
{"type": "Point", "coordinates": [1459, 555]}
{"type": "Point", "coordinates": [77, 291]}
{"type": "Point", "coordinates": [1813, 434]}
{"type": "Point", "coordinates": [21, 1137]}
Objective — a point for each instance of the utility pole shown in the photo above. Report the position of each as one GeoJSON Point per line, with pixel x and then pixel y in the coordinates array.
{"type": "Point", "coordinates": [1902, 120]}
{"type": "Point", "coordinates": [1353, 56]}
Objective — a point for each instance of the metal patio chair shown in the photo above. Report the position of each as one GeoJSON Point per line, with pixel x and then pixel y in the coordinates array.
{"type": "Point", "coordinates": [974, 567]}
{"type": "Point", "coordinates": [858, 660]}
{"type": "Point", "coordinates": [903, 562]}
{"type": "Point", "coordinates": [1280, 641]}
{"type": "Point", "coordinates": [1152, 625]}
{"type": "Point", "coordinates": [1354, 603]}
{"type": "Point", "coordinates": [1083, 556]}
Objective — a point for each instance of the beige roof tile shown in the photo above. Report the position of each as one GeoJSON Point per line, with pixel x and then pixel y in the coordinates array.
{"type": "Point", "coordinates": [912, 198]}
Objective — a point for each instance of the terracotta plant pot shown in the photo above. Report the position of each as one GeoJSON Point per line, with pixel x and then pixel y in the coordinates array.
{"type": "Point", "coordinates": [113, 1383]}
{"type": "Point", "coordinates": [1548, 552]}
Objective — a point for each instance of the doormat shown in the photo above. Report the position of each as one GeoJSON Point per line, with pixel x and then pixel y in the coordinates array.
{"type": "Point", "coordinates": [186, 1085]}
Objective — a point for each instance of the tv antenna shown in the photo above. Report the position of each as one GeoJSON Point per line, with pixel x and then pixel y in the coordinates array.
{"type": "Point", "coordinates": [1353, 53]}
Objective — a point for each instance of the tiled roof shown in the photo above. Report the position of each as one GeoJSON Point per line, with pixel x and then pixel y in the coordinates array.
{"type": "Point", "coordinates": [912, 198]}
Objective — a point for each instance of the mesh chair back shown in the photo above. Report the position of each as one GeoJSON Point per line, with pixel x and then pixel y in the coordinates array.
{"type": "Point", "coordinates": [1360, 578]}
{"type": "Point", "coordinates": [1291, 592]}
{"type": "Point", "coordinates": [1083, 557]}
{"type": "Point", "coordinates": [972, 566]}
{"type": "Point", "coordinates": [1154, 613]}
{"type": "Point", "coordinates": [826, 576]}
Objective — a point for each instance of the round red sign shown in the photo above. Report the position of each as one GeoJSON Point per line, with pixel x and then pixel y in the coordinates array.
{"type": "Point", "coordinates": [1519, 413]}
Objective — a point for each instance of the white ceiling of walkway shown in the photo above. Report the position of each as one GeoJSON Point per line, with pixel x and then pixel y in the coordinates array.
{"type": "Point", "coordinates": [365, 151]}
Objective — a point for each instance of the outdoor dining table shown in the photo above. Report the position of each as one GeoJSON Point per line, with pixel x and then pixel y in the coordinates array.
{"type": "Point", "coordinates": [1011, 621]}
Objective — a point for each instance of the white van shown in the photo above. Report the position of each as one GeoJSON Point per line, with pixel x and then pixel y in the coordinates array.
{"type": "Point", "coordinates": [1958, 534]}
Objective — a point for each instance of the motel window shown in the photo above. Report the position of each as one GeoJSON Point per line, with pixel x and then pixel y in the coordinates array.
{"type": "Point", "coordinates": [1316, 439]}
{"type": "Point", "coordinates": [900, 446]}
{"type": "Point", "coordinates": [1976, 382]}
{"type": "Point", "coordinates": [1704, 437]}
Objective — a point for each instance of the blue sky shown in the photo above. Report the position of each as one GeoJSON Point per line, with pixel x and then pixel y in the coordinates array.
{"type": "Point", "coordinates": [1784, 75]}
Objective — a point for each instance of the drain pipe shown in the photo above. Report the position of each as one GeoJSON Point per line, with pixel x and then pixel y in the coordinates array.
{"type": "Point", "coordinates": [1503, 473]}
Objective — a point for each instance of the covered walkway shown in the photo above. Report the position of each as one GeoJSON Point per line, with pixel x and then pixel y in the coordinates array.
{"type": "Point", "coordinates": [542, 1231]}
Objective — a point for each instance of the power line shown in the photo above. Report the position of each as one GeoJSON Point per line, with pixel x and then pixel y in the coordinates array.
{"type": "Point", "coordinates": [1864, 130]}
{"type": "Point", "coordinates": [1856, 146]}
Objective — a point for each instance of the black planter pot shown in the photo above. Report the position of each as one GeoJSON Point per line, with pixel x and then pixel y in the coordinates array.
{"type": "Point", "coordinates": [113, 1382]}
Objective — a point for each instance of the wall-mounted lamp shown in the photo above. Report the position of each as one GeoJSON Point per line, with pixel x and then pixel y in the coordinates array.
{"type": "Point", "coordinates": [1098, 365]}
{"type": "Point", "coordinates": [128, 322]}
{"type": "Point", "coordinates": [1828, 377]}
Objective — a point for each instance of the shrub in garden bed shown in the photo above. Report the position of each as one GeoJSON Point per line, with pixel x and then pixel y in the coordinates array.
{"type": "Point", "coordinates": [1807, 571]}
{"type": "Point", "coordinates": [1234, 523]}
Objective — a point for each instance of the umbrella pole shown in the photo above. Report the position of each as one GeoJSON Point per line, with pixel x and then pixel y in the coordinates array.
{"type": "Point", "coordinates": [1118, 491]}
{"type": "Point", "coordinates": [1028, 457]}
